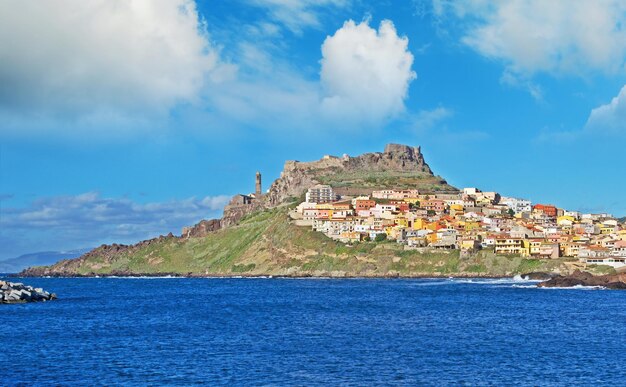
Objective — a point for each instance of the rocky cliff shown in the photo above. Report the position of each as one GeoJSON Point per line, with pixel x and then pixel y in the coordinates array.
{"type": "Point", "coordinates": [201, 228]}
{"type": "Point", "coordinates": [358, 171]}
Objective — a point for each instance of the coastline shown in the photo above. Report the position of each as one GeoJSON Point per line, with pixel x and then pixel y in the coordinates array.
{"type": "Point", "coordinates": [289, 276]}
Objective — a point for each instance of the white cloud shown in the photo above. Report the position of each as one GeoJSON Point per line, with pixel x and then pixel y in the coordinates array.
{"type": "Point", "coordinates": [297, 15]}
{"type": "Point", "coordinates": [129, 68]}
{"type": "Point", "coordinates": [89, 60]}
{"type": "Point", "coordinates": [556, 37]}
{"type": "Point", "coordinates": [365, 73]}
{"type": "Point", "coordinates": [427, 119]}
{"type": "Point", "coordinates": [364, 80]}
{"type": "Point", "coordinates": [59, 222]}
{"type": "Point", "coordinates": [609, 118]}
{"type": "Point", "coordinates": [519, 81]}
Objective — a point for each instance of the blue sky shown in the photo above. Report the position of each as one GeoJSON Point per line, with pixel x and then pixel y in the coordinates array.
{"type": "Point", "coordinates": [125, 120]}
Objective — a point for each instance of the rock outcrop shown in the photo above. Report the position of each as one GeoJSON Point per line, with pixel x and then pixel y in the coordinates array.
{"type": "Point", "coordinates": [15, 293]}
{"type": "Point", "coordinates": [396, 157]}
{"type": "Point", "coordinates": [297, 176]}
{"type": "Point", "coordinates": [579, 278]}
{"type": "Point", "coordinates": [238, 207]}
{"type": "Point", "coordinates": [201, 228]}
{"type": "Point", "coordinates": [538, 276]}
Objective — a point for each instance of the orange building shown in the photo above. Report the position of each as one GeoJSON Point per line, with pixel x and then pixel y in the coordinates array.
{"type": "Point", "coordinates": [547, 209]}
{"type": "Point", "coordinates": [364, 205]}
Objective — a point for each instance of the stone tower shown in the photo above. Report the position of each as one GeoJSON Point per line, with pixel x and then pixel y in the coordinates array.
{"type": "Point", "coordinates": [258, 184]}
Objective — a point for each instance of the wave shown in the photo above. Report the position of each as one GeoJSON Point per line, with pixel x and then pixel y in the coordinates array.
{"type": "Point", "coordinates": [495, 281]}
{"type": "Point", "coordinates": [576, 287]}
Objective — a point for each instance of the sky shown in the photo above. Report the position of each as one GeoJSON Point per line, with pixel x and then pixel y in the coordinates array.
{"type": "Point", "coordinates": [122, 120]}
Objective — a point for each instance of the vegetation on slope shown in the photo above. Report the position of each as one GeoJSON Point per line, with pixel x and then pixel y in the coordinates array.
{"type": "Point", "coordinates": [267, 243]}
{"type": "Point", "coordinates": [372, 180]}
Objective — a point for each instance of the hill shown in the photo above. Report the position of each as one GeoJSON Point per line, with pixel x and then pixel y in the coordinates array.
{"type": "Point", "coordinates": [267, 243]}
{"type": "Point", "coordinates": [14, 265]}
{"type": "Point", "coordinates": [257, 237]}
{"type": "Point", "coordinates": [399, 166]}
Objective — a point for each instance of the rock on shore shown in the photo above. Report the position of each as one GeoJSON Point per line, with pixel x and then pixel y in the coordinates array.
{"type": "Point", "coordinates": [579, 278]}
{"type": "Point", "coordinates": [14, 293]}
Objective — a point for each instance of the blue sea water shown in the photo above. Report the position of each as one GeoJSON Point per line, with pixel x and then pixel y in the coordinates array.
{"type": "Point", "coordinates": [176, 331]}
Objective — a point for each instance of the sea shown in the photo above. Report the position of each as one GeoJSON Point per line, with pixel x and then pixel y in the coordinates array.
{"type": "Point", "coordinates": [277, 331]}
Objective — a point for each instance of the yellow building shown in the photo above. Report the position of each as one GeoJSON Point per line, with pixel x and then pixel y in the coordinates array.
{"type": "Point", "coordinates": [565, 220]}
{"type": "Point", "coordinates": [534, 246]}
{"type": "Point", "coordinates": [469, 244]}
{"type": "Point", "coordinates": [470, 226]}
{"type": "Point", "coordinates": [419, 224]}
{"type": "Point", "coordinates": [432, 226]}
{"type": "Point", "coordinates": [456, 207]}
{"type": "Point", "coordinates": [570, 249]}
{"type": "Point", "coordinates": [607, 229]}
{"type": "Point", "coordinates": [403, 222]}
{"type": "Point", "coordinates": [512, 246]}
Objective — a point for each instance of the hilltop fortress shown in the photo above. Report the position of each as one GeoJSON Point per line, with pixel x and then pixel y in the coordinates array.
{"type": "Point", "coordinates": [399, 166]}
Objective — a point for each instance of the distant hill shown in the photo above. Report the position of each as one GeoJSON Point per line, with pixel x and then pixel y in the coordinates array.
{"type": "Point", "coordinates": [15, 265]}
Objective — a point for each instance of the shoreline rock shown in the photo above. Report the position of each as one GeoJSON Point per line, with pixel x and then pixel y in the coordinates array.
{"type": "Point", "coordinates": [580, 278]}
{"type": "Point", "coordinates": [18, 293]}
{"type": "Point", "coordinates": [539, 276]}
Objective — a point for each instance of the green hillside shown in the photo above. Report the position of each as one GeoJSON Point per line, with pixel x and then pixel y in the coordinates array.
{"type": "Point", "coordinates": [267, 243]}
{"type": "Point", "coordinates": [356, 182]}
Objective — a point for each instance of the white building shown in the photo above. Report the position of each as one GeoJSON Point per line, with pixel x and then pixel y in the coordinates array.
{"type": "Point", "coordinates": [395, 194]}
{"type": "Point", "coordinates": [619, 249]}
{"type": "Point", "coordinates": [321, 194]}
{"type": "Point", "coordinates": [615, 262]}
{"type": "Point", "coordinates": [517, 205]}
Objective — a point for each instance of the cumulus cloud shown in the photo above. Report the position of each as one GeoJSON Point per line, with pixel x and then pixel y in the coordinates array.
{"type": "Point", "coordinates": [557, 36]}
{"type": "Point", "coordinates": [365, 73]}
{"type": "Point", "coordinates": [120, 68]}
{"type": "Point", "coordinates": [609, 118]}
{"type": "Point", "coordinates": [77, 59]}
{"type": "Point", "coordinates": [364, 78]}
{"type": "Point", "coordinates": [88, 219]}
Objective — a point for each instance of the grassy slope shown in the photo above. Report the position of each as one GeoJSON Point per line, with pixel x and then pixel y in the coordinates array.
{"type": "Point", "coordinates": [266, 243]}
{"type": "Point", "coordinates": [370, 180]}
